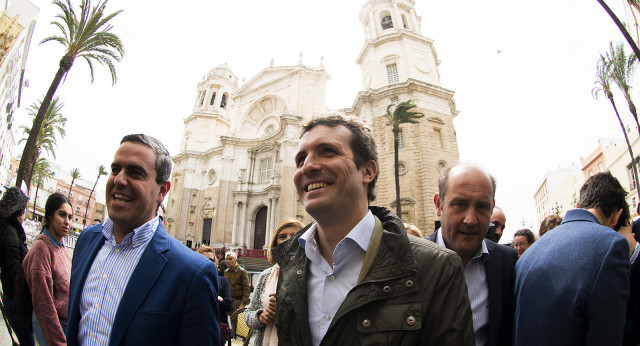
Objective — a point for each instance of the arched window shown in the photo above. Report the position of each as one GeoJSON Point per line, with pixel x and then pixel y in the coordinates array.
{"type": "Point", "coordinates": [404, 22]}
{"type": "Point", "coordinates": [269, 130]}
{"type": "Point", "coordinates": [213, 99]}
{"type": "Point", "coordinates": [386, 21]}
{"type": "Point", "coordinates": [204, 93]}
{"type": "Point", "coordinates": [223, 102]}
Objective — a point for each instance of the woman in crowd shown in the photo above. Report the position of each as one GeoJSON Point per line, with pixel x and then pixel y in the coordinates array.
{"type": "Point", "coordinates": [224, 293]}
{"type": "Point", "coordinates": [13, 249]}
{"type": "Point", "coordinates": [47, 269]}
{"type": "Point", "coordinates": [261, 312]}
{"type": "Point", "coordinates": [522, 239]}
{"type": "Point", "coordinates": [413, 230]}
{"type": "Point", "coordinates": [550, 222]}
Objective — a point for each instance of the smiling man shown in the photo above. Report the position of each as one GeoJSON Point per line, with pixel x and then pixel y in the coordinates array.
{"type": "Point", "coordinates": [464, 203]}
{"type": "Point", "coordinates": [353, 277]}
{"type": "Point", "coordinates": [131, 282]}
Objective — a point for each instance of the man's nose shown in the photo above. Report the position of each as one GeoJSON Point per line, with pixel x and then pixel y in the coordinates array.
{"type": "Point", "coordinates": [121, 178]}
{"type": "Point", "coordinates": [470, 216]}
{"type": "Point", "coordinates": [310, 164]}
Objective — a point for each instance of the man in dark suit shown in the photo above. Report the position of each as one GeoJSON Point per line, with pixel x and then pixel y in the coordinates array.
{"type": "Point", "coordinates": [464, 202]}
{"type": "Point", "coordinates": [131, 282]}
{"type": "Point", "coordinates": [572, 285]}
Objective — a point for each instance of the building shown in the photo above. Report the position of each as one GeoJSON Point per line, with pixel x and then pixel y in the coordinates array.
{"type": "Point", "coordinates": [17, 20]}
{"type": "Point", "coordinates": [79, 198]}
{"type": "Point", "coordinates": [233, 177]}
{"type": "Point", "coordinates": [618, 162]}
{"type": "Point", "coordinates": [558, 192]}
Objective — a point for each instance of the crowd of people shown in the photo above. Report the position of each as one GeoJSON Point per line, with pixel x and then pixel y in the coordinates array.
{"type": "Point", "coordinates": [356, 275]}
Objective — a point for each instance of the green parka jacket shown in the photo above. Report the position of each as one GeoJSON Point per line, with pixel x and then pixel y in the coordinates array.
{"type": "Point", "coordinates": [414, 293]}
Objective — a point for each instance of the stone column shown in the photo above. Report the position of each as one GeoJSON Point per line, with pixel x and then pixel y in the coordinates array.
{"type": "Point", "coordinates": [234, 227]}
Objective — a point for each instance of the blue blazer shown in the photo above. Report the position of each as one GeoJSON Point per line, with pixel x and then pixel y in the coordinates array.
{"type": "Point", "coordinates": [572, 285]}
{"type": "Point", "coordinates": [171, 297]}
{"type": "Point", "coordinates": [500, 279]}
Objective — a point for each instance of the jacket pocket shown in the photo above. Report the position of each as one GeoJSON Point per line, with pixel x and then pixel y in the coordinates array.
{"type": "Point", "coordinates": [389, 324]}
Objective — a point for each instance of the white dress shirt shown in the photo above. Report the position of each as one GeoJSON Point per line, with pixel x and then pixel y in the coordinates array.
{"type": "Point", "coordinates": [327, 287]}
{"type": "Point", "coordinates": [475, 274]}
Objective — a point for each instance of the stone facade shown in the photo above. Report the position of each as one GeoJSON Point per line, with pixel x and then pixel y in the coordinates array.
{"type": "Point", "coordinates": [233, 178]}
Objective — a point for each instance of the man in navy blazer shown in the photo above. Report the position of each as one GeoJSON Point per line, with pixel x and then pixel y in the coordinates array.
{"type": "Point", "coordinates": [464, 202]}
{"type": "Point", "coordinates": [572, 285]}
{"type": "Point", "coordinates": [131, 282]}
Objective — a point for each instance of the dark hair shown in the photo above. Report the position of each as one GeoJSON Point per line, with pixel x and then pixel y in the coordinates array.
{"type": "Point", "coordinates": [54, 202]}
{"type": "Point", "coordinates": [163, 160]}
{"type": "Point", "coordinates": [550, 222]}
{"type": "Point", "coordinates": [274, 239]}
{"type": "Point", "coordinates": [444, 177]}
{"type": "Point", "coordinates": [603, 191]}
{"type": "Point", "coordinates": [13, 203]}
{"type": "Point", "coordinates": [362, 143]}
{"type": "Point", "coordinates": [525, 232]}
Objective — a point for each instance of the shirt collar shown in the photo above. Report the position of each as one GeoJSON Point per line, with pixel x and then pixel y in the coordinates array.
{"type": "Point", "coordinates": [51, 237]}
{"type": "Point", "coordinates": [360, 234]}
{"type": "Point", "coordinates": [481, 253]}
{"type": "Point", "coordinates": [138, 237]}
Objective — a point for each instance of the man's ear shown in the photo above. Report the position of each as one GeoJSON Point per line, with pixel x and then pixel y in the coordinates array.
{"type": "Point", "coordinates": [616, 217]}
{"type": "Point", "coordinates": [370, 171]}
{"type": "Point", "coordinates": [438, 202]}
{"type": "Point", "coordinates": [164, 189]}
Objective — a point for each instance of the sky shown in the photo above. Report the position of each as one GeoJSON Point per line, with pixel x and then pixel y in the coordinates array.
{"type": "Point", "coordinates": [522, 73]}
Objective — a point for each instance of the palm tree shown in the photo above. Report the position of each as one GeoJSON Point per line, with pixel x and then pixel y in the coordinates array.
{"type": "Point", "coordinates": [635, 4]}
{"type": "Point", "coordinates": [101, 171]}
{"type": "Point", "coordinates": [86, 35]}
{"type": "Point", "coordinates": [52, 126]}
{"type": "Point", "coordinates": [403, 114]}
{"type": "Point", "coordinates": [603, 84]}
{"type": "Point", "coordinates": [622, 68]}
{"type": "Point", "coordinates": [75, 174]}
{"type": "Point", "coordinates": [41, 172]}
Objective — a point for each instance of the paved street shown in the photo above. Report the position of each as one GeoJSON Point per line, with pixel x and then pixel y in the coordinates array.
{"type": "Point", "coordinates": [5, 339]}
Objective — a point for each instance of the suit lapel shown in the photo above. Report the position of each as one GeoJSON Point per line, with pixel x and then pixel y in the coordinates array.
{"type": "Point", "coordinates": [493, 268]}
{"type": "Point", "coordinates": [142, 280]}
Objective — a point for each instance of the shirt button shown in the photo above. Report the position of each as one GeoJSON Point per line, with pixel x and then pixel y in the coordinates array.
{"type": "Point", "coordinates": [411, 320]}
{"type": "Point", "coordinates": [96, 306]}
{"type": "Point", "coordinates": [299, 272]}
{"type": "Point", "coordinates": [386, 289]}
{"type": "Point", "coordinates": [327, 318]}
{"type": "Point", "coordinates": [91, 334]}
{"type": "Point", "coordinates": [366, 324]}
{"type": "Point", "coordinates": [135, 243]}
{"type": "Point", "coordinates": [409, 283]}
{"type": "Point", "coordinates": [117, 250]}
{"type": "Point", "coordinates": [332, 278]}
{"type": "Point", "coordinates": [104, 276]}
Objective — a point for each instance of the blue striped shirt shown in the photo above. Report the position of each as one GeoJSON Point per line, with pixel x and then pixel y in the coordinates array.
{"type": "Point", "coordinates": [475, 274]}
{"type": "Point", "coordinates": [107, 280]}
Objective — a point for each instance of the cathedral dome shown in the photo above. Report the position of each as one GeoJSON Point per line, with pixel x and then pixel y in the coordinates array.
{"type": "Point", "coordinates": [223, 71]}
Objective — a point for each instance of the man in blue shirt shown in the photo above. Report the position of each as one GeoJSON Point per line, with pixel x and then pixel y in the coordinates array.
{"type": "Point", "coordinates": [131, 282]}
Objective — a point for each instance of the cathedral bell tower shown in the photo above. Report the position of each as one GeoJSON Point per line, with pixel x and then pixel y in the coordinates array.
{"type": "Point", "coordinates": [399, 64]}
{"type": "Point", "coordinates": [394, 48]}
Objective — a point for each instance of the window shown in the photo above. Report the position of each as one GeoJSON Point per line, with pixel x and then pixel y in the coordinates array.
{"type": "Point", "coordinates": [400, 139]}
{"type": "Point", "coordinates": [80, 199]}
{"type": "Point", "coordinates": [269, 130]}
{"type": "Point", "coordinates": [386, 22]}
{"type": "Point", "coordinates": [223, 103]}
{"type": "Point", "coordinates": [213, 99]}
{"type": "Point", "coordinates": [265, 170]}
{"type": "Point", "coordinates": [394, 99]}
{"type": "Point", "coordinates": [204, 93]}
{"type": "Point", "coordinates": [211, 176]}
{"type": "Point", "coordinates": [632, 179]}
{"type": "Point", "coordinates": [437, 138]}
{"type": "Point", "coordinates": [392, 73]}
{"type": "Point", "coordinates": [600, 168]}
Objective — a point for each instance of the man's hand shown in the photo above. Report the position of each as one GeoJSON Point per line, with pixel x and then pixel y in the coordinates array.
{"type": "Point", "coordinates": [626, 232]}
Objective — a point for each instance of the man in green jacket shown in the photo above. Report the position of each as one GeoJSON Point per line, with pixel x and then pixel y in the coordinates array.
{"type": "Point", "coordinates": [353, 277]}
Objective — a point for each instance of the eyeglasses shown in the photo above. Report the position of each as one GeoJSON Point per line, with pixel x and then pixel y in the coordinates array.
{"type": "Point", "coordinates": [515, 245]}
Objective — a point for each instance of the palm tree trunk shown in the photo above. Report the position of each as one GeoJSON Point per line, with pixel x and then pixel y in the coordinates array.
{"type": "Point", "coordinates": [25, 170]}
{"type": "Point", "coordinates": [86, 209]}
{"type": "Point", "coordinates": [70, 187]}
{"type": "Point", "coordinates": [624, 31]}
{"type": "Point", "coordinates": [35, 199]}
{"type": "Point", "coordinates": [634, 168]}
{"type": "Point", "coordinates": [396, 132]}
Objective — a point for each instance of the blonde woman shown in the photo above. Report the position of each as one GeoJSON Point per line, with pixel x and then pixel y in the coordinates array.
{"type": "Point", "coordinates": [261, 311]}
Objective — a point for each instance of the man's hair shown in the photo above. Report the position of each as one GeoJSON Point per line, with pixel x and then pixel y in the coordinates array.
{"type": "Point", "coordinates": [362, 143]}
{"type": "Point", "coordinates": [163, 160]}
{"type": "Point", "coordinates": [550, 222]}
{"type": "Point", "coordinates": [525, 232]}
{"type": "Point", "coordinates": [205, 248]}
{"type": "Point", "coordinates": [603, 191]}
{"type": "Point", "coordinates": [444, 177]}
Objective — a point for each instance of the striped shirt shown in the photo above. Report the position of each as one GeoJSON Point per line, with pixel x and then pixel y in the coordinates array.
{"type": "Point", "coordinates": [475, 274]}
{"type": "Point", "coordinates": [107, 280]}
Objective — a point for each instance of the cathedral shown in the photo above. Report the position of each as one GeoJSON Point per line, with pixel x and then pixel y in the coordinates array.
{"type": "Point", "coordinates": [232, 180]}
